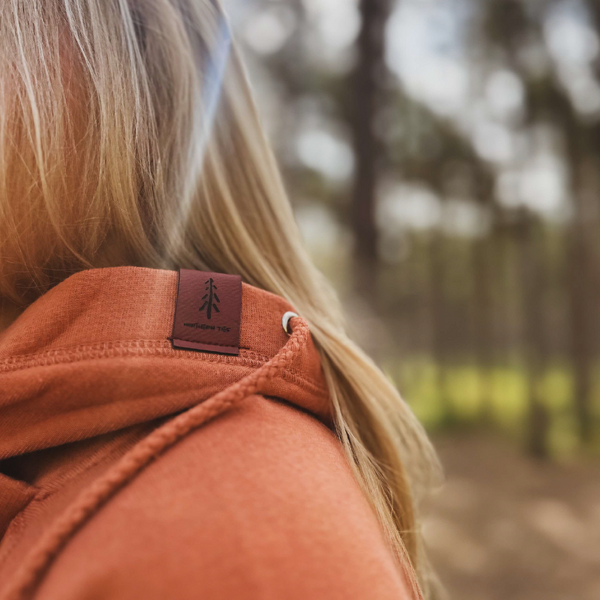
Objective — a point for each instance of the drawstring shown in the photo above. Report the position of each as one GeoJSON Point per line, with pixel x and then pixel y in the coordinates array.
{"type": "Point", "coordinates": [93, 497]}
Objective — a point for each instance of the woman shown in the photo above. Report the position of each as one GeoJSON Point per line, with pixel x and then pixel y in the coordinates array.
{"type": "Point", "coordinates": [170, 434]}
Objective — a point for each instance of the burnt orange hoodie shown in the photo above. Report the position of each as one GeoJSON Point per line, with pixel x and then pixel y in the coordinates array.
{"type": "Point", "coordinates": [130, 468]}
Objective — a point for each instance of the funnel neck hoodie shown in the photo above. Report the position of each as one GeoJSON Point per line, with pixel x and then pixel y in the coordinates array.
{"type": "Point", "coordinates": [133, 469]}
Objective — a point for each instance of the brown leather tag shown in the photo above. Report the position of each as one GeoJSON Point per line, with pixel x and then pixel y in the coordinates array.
{"type": "Point", "coordinates": [208, 312]}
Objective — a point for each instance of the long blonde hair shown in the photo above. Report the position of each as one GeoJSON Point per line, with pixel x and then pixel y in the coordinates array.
{"type": "Point", "coordinates": [128, 136]}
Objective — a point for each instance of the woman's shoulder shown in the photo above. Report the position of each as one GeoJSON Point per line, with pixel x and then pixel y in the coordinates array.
{"type": "Point", "coordinates": [258, 503]}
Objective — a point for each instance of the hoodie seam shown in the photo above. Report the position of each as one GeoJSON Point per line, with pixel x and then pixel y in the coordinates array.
{"type": "Point", "coordinates": [136, 343]}
{"type": "Point", "coordinates": [148, 347]}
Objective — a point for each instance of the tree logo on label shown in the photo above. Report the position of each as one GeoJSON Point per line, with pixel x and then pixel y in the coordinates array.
{"type": "Point", "coordinates": [210, 298]}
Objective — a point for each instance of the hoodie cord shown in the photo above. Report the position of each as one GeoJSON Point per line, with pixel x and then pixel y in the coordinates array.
{"type": "Point", "coordinates": [36, 563]}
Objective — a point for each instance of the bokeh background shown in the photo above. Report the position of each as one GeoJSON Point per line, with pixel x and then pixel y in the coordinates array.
{"type": "Point", "coordinates": [443, 158]}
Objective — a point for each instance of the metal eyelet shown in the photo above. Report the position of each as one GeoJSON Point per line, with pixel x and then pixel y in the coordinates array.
{"type": "Point", "coordinates": [285, 321]}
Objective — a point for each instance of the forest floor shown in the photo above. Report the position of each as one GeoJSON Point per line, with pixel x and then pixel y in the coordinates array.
{"type": "Point", "coordinates": [505, 526]}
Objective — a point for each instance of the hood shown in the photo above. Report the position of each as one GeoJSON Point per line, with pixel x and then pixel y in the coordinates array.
{"type": "Point", "coordinates": [93, 355]}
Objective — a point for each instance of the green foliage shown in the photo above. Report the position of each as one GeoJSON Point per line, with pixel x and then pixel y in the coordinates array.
{"type": "Point", "coordinates": [465, 395]}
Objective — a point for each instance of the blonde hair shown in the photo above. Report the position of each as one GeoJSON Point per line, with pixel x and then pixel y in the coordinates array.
{"type": "Point", "coordinates": [128, 136]}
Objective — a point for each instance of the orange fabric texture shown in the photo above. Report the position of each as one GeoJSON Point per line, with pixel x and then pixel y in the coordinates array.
{"type": "Point", "coordinates": [129, 469]}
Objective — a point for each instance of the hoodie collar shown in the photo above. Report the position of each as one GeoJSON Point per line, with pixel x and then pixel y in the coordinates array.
{"type": "Point", "coordinates": [93, 355]}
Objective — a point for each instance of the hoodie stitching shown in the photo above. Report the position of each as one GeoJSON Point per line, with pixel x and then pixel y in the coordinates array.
{"type": "Point", "coordinates": [108, 345]}
{"type": "Point", "coordinates": [149, 348]}
{"type": "Point", "coordinates": [90, 500]}
{"type": "Point", "coordinates": [108, 350]}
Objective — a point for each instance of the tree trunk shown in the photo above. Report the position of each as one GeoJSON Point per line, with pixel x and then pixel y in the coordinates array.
{"type": "Point", "coordinates": [580, 339]}
{"type": "Point", "coordinates": [438, 314]}
{"type": "Point", "coordinates": [533, 284]}
{"type": "Point", "coordinates": [483, 274]}
{"type": "Point", "coordinates": [365, 91]}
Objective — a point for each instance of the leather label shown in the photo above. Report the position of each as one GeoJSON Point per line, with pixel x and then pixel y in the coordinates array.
{"type": "Point", "coordinates": [208, 312]}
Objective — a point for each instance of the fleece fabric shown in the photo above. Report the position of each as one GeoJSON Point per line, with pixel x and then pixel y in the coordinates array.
{"type": "Point", "coordinates": [129, 469]}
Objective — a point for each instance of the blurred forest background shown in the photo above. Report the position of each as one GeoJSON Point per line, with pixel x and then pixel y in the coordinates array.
{"type": "Point", "coordinates": [443, 157]}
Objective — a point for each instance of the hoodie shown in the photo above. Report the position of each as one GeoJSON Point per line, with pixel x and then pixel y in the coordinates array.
{"type": "Point", "coordinates": [135, 465]}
